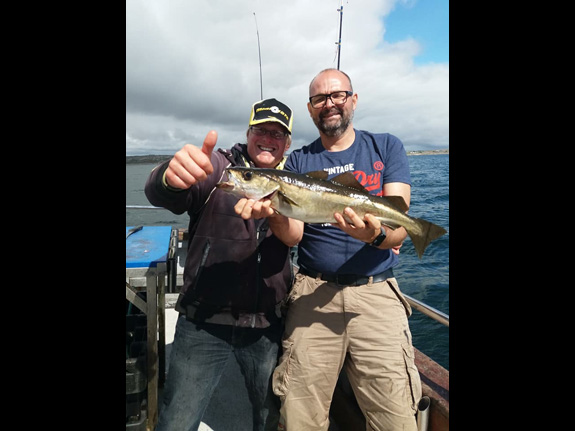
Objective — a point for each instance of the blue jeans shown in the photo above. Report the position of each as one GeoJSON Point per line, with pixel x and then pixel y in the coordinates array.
{"type": "Point", "coordinates": [199, 355]}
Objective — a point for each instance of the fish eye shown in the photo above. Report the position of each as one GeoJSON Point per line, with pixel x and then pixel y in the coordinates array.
{"type": "Point", "coordinates": [248, 175]}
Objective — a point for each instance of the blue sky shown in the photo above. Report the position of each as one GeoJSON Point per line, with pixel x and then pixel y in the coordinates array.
{"type": "Point", "coordinates": [427, 21]}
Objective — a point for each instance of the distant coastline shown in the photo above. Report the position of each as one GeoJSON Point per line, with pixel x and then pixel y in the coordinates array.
{"type": "Point", "coordinates": [427, 152]}
{"type": "Point", "coordinates": [158, 158]}
{"type": "Point", "coordinates": [149, 158]}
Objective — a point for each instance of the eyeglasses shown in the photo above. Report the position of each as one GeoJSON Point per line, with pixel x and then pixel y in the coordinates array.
{"type": "Point", "coordinates": [275, 134]}
{"type": "Point", "coordinates": [337, 98]}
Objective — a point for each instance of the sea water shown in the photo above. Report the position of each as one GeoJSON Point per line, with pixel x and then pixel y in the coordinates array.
{"type": "Point", "coordinates": [425, 279]}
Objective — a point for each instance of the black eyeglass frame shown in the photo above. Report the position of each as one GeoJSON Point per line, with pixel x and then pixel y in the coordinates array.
{"type": "Point", "coordinates": [273, 133]}
{"type": "Point", "coordinates": [326, 96]}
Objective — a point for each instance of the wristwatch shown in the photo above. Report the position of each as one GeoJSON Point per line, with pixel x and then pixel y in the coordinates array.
{"type": "Point", "coordinates": [379, 239]}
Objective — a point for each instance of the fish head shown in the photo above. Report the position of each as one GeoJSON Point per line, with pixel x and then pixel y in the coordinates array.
{"type": "Point", "coordinates": [252, 183]}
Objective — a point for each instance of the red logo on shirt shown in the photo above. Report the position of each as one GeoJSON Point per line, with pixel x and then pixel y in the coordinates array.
{"type": "Point", "coordinates": [370, 182]}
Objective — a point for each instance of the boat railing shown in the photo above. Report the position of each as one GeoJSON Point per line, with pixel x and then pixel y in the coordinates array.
{"type": "Point", "coordinates": [428, 310]}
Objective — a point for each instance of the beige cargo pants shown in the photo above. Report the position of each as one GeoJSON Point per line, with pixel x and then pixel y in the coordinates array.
{"type": "Point", "coordinates": [368, 323]}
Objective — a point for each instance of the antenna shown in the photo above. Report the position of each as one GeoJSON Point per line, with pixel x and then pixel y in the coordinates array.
{"type": "Point", "coordinates": [340, 10]}
{"type": "Point", "coordinates": [260, 55]}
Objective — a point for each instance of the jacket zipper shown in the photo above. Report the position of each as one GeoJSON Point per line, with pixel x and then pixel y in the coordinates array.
{"type": "Point", "coordinates": [205, 252]}
{"type": "Point", "coordinates": [258, 283]}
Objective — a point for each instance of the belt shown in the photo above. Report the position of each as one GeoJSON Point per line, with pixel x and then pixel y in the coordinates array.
{"type": "Point", "coordinates": [348, 279]}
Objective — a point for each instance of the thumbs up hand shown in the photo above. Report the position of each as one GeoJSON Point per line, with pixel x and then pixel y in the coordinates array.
{"type": "Point", "coordinates": [191, 164]}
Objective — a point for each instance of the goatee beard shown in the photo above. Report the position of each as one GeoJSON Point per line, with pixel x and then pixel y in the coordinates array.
{"type": "Point", "coordinates": [335, 129]}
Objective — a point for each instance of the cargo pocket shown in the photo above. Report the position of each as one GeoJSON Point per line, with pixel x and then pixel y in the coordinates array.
{"type": "Point", "coordinates": [281, 373]}
{"type": "Point", "coordinates": [392, 282]}
{"type": "Point", "coordinates": [414, 383]}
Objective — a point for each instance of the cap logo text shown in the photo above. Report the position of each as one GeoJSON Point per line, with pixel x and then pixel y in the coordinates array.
{"type": "Point", "coordinates": [275, 110]}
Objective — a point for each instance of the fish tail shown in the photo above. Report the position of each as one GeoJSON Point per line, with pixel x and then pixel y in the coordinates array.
{"type": "Point", "coordinates": [429, 232]}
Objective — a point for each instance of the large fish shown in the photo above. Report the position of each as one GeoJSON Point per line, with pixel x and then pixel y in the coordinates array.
{"type": "Point", "coordinates": [311, 198]}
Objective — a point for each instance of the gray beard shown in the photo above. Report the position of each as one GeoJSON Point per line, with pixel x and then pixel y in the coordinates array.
{"type": "Point", "coordinates": [336, 129]}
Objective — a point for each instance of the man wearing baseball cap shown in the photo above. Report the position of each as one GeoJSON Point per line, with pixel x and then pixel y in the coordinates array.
{"type": "Point", "coordinates": [236, 274]}
{"type": "Point", "coordinates": [271, 110]}
{"type": "Point", "coordinates": [266, 121]}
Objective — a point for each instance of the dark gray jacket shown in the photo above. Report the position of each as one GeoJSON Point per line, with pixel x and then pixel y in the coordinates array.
{"type": "Point", "coordinates": [229, 276]}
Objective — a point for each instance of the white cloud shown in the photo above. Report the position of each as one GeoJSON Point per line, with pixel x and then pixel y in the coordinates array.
{"type": "Point", "coordinates": [193, 66]}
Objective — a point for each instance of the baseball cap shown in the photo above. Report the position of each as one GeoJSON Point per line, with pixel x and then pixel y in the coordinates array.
{"type": "Point", "coordinates": [271, 110]}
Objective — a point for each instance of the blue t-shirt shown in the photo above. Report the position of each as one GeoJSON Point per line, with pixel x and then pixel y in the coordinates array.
{"type": "Point", "coordinates": [374, 159]}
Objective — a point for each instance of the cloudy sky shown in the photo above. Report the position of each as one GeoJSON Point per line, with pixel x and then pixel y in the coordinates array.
{"type": "Point", "coordinates": [194, 65]}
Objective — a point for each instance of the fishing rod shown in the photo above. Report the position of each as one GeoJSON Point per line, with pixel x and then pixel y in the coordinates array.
{"type": "Point", "coordinates": [340, 10]}
{"type": "Point", "coordinates": [260, 55]}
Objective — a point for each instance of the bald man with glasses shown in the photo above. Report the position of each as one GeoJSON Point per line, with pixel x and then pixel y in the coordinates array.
{"type": "Point", "coordinates": [345, 309]}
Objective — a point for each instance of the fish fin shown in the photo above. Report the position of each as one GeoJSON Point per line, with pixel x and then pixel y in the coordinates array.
{"type": "Point", "coordinates": [287, 199]}
{"type": "Point", "coordinates": [398, 202]}
{"type": "Point", "coordinates": [347, 179]}
{"type": "Point", "coordinates": [387, 223]}
{"type": "Point", "coordinates": [430, 232]}
{"type": "Point", "coordinates": [318, 175]}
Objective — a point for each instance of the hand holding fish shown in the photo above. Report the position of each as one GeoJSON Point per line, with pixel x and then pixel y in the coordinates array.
{"type": "Point", "coordinates": [191, 164]}
{"type": "Point", "coordinates": [288, 231]}
{"type": "Point", "coordinates": [250, 208]}
{"type": "Point", "coordinates": [365, 229]}
{"type": "Point", "coordinates": [368, 228]}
